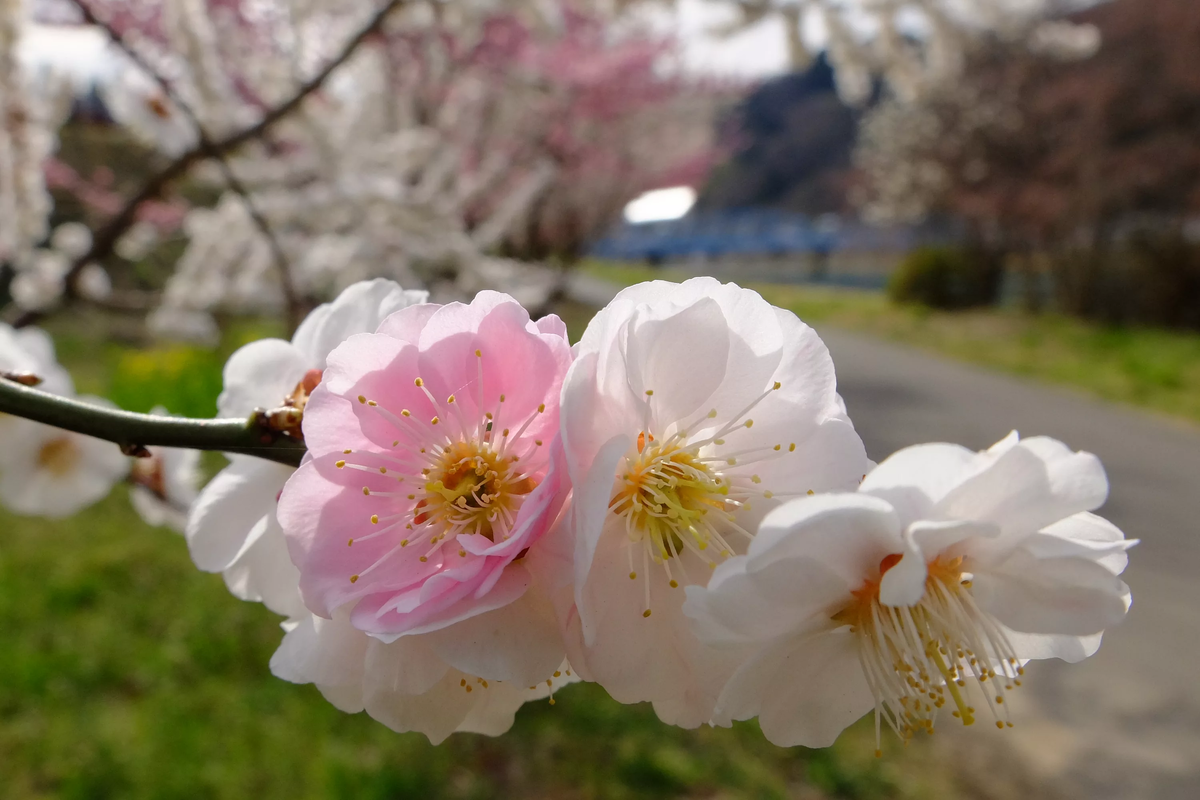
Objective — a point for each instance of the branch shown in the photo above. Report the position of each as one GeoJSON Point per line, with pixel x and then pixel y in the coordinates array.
{"type": "Point", "coordinates": [209, 147]}
{"type": "Point", "coordinates": [135, 431]}
{"type": "Point", "coordinates": [105, 239]}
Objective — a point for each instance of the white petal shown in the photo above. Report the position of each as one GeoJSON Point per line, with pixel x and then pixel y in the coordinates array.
{"type": "Point", "coordinates": [1071, 596]}
{"type": "Point", "coordinates": [1037, 646]}
{"type": "Point", "coordinates": [321, 651]}
{"type": "Point", "coordinates": [346, 697]}
{"type": "Point", "coordinates": [437, 712]}
{"type": "Point", "coordinates": [590, 517]}
{"type": "Point", "coordinates": [408, 666]}
{"type": "Point", "coordinates": [519, 643]}
{"type": "Point", "coordinates": [681, 358]}
{"type": "Point", "coordinates": [260, 375]}
{"type": "Point", "coordinates": [848, 533]}
{"type": "Point", "coordinates": [263, 572]}
{"type": "Point", "coordinates": [1097, 535]}
{"type": "Point", "coordinates": [360, 308]}
{"type": "Point", "coordinates": [781, 598]}
{"type": "Point", "coordinates": [915, 478]}
{"type": "Point", "coordinates": [1031, 485]}
{"type": "Point", "coordinates": [904, 583]}
{"type": "Point", "coordinates": [494, 711]}
{"type": "Point", "coordinates": [229, 507]}
{"type": "Point", "coordinates": [817, 692]}
{"type": "Point", "coordinates": [655, 658]}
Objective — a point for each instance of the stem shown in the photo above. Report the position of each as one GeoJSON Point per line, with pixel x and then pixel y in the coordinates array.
{"type": "Point", "coordinates": [130, 430]}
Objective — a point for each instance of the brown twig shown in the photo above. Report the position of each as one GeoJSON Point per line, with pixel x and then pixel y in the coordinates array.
{"type": "Point", "coordinates": [104, 240]}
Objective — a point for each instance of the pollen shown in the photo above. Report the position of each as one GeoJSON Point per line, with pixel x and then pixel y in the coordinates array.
{"type": "Point", "coordinates": [917, 658]}
{"type": "Point", "coordinates": [666, 496]}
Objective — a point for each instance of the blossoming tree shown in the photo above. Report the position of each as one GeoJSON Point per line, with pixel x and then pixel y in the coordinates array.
{"type": "Point", "coordinates": [456, 511]}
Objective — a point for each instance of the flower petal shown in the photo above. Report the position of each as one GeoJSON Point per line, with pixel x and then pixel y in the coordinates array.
{"type": "Point", "coordinates": [1031, 485]}
{"type": "Point", "coordinates": [1071, 596]}
{"type": "Point", "coordinates": [229, 507]}
{"type": "Point", "coordinates": [359, 308]}
{"type": "Point", "coordinates": [817, 691]}
{"type": "Point", "coordinates": [780, 598]}
{"type": "Point", "coordinates": [848, 533]}
{"type": "Point", "coordinates": [915, 478]}
{"type": "Point", "coordinates": [1097, 536]}
{"type": "Point", "coordinates": [261, 374]}
{"type": "Point", "coordinates": [518, 642]}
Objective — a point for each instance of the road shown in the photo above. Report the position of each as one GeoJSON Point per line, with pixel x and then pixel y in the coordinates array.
{"type": "Point", "coordinates": [1125, 723]}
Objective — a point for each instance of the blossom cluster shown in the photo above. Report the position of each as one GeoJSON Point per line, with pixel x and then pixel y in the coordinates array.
{"type": "Point", "coordinates": [54, 473]}
{"type": "Point", "coordinates": [677, 507]}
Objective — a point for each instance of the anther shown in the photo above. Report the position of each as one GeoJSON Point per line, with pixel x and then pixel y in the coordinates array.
{"type": "Point", "coordinates": [362, 399]}
{"type": "Point", "coordinates": [374, 519]}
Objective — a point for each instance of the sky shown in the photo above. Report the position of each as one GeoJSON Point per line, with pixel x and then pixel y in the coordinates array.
{"type": "Point", "coordinates": [757, 52]}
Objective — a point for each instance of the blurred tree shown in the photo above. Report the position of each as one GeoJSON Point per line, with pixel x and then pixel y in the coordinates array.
{"type": "Point", "coordinates": [411, 139]}
{"type": "Point", "coordinates": [792, 139]}
{"type": "Point", "coordinates": [1040, 152]}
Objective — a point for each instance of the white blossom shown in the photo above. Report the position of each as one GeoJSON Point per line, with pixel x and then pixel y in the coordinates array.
{"type": "Point", "coordinates": [406, 684]}
{"type": "Point", "coordinates": [690, 411]}
{"type": "Point", "coordinates": [165, 484]}
{"type": "Point", "coordinates": [932, 585]}
{"type": "Point", "coordinates": [49, 472]}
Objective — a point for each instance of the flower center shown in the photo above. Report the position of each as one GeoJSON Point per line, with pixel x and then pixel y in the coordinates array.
{"type": "Point", "coordinates": [58, 456]}
{"type": "Point", "coordinates": [449, 474]}
{"type": "Point", "coordinates": [916, 657]}
{"type": "Point", "coordinates": [472, 489]}
{"type": "Point", "coordinates": [683, 492]}
{"type": "Point", "coordinates": [665, 496]}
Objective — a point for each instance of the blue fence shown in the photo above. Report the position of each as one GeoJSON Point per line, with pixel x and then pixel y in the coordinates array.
{"type": "Point", "coordinates": [751, 232]}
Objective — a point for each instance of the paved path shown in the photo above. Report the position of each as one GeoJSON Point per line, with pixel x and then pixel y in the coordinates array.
{"type": "Point", "coordinates": [1126, 723]}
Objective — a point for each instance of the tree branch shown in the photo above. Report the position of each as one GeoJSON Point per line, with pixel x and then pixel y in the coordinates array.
{"type": "Point", "coordinates": [131, 431]}
{"type": "Point", "coordinates": [105, 239]}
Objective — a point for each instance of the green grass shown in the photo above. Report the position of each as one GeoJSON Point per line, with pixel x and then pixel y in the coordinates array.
{"type": "Point", "coordinates": [1153, 369]}
{"type": "Point", "coordinates": [126, 673]}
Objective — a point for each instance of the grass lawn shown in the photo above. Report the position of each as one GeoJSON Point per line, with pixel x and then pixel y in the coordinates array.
{"type": "Point", "coordinates": [1154, 369]}
{"type": "Point", "coordinates": [126, 673]}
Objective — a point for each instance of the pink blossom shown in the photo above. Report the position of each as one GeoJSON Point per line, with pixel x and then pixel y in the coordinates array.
{"type": "Point", "coordinates": [430, 477]}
